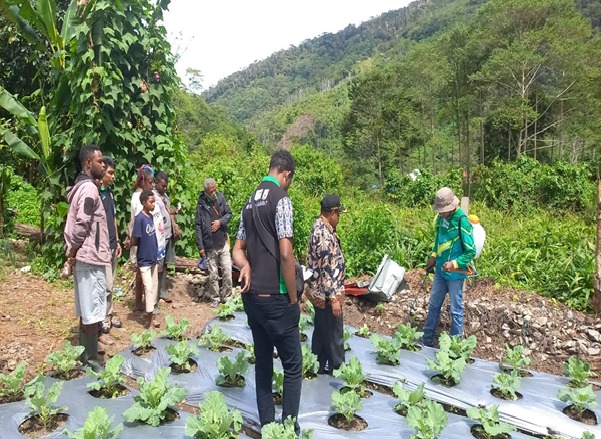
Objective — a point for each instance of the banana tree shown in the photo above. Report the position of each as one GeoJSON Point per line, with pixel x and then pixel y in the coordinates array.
{"type": "Point", "coordinates": [36, 129]}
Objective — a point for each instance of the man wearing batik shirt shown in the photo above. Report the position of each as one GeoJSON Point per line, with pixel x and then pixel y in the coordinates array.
{"type": "Point", "coordinates": [264, 251]}
{"type": "Point", "coordinates": [325, 289]}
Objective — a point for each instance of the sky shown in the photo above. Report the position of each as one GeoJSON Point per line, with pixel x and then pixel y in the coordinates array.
{"type": "Point", "coordinates": [220, 37]}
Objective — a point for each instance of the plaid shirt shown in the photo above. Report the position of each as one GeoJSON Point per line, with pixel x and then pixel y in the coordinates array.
{"type": "Point", "coordinates": [327, 262]}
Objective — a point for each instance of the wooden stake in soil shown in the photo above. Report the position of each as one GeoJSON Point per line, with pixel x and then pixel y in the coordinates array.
{"type": "Point", "coordinates": [597, 278]}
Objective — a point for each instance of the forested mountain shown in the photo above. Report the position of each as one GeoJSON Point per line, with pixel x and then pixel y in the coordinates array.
{"type": "Point", "coordinates": [439, 84]}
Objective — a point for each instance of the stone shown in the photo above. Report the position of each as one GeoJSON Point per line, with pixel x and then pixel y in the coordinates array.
{"type": "Point", "coordinates": [594, 335]}
{"type": "Point", "coordinates": [593, 351]}
{"type": "Point", "coordinates": [542, 321]}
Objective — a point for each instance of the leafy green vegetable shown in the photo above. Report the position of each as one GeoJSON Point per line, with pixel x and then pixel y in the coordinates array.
{"type": "Point", "coordinates": [231, 372]}
{"type": "Point", "coordinates": [278, 383]}
{"type": "Point", "coordinates": [303, 324]}
{"type": "Point", "coordinates": [11, 385]}
{"type": "Point", "coordinates": [215, 420]}
{"type": "Point", "coordinates": [98, 425]}
{"type": "Point", "coordinates": [181, 352]}
{"type": "Point", "coordinates": [151, 405]}
{"type": "Point", "coordinates": [449, 368]}
{"type": "Point", "coordinates": [407, 336]}
{"type": "Point", "coordinates": [215, 339]}
{"type": "Point", "coordinates": [238, 302]}
{"type": "Point", "coordinates": [515, 358]}
{"type": "Point", "coordinates": [310, 311]}
{"type": "Point", "coordinates": [42, 404]}
{"type": "Point", "coordinates": [310, 362]}
{"type": "Point", "coordinates": [364, 331]}
{"type": "Point", "coordinates": [507, 383]}
{"type": "Point", "coordinates": [578, 371]}
{"type": "Point", "coordinates": [110, 379]}
{"type": "Point", "coordinates": [347, 404]}
{"type": "Point", "coordinates": [142, 341]}
{"type": "Point", "coordinates": [346, 336]}
{"type": "Point", "coordinates": [275, 430]}
{"type": "Point", "coordinates": [352, 375]}
{"type": "Point", "coordinates": [582, 398]}
{"type": "Point", "coordinates": [428, 419]}
{"type": "Point", "coordinates": [226, 310]}
{"type": "Point", "coordinates": [250, 353]}
{"type": "Point", "coordinates": [489, 419]}
{"type": "Point", "coordinates": [456, 346]}
{"type": "Point", "coordinates": [388, 352]}
{"type": "Point", "coordinates": [408, 399]}
{"type": "Point", "coordinates": [175, 331]}
{"type": "Point", "coordinates": [66, 360]}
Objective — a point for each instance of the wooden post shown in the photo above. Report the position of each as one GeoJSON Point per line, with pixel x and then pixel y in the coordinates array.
{"type": "Point", "coordinates": [597, 278]}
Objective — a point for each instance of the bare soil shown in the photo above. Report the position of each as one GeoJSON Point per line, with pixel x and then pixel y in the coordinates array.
{"type": "Point", "coordinates": [37, 316]}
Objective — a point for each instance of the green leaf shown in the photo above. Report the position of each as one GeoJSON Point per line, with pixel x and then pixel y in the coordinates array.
{"type": "Point", "coordinates": [44, 135]}
{"type": "Point", "coordinates": [14, 107]}
{"type": "Point", "coordinates": [17, 145]}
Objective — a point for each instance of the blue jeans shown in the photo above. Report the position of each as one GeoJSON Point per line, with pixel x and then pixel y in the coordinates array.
{"type": "Point", "coordinates": [440, 287]}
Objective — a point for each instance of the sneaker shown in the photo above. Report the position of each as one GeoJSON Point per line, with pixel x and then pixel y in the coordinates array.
{"type": "Point", "coordinates": [167, 299]}
{"type": "Point", "coordinates": [156, 310]}
{"type": "Point", "coordinates": [215, 303]}
{"type": "Point", "coordinates": [106, 329]}
{"type": "Point", "coordinates": [115, 323]}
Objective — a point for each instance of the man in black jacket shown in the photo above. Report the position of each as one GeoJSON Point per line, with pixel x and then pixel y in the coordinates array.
{"type": "Point", "coordinates": [212, 215]}
{"type": "Point", "coordinates": [264, 253]}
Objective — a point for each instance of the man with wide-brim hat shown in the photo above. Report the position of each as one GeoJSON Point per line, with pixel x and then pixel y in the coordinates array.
{"type": "Point", "coordinates": [452, 252]}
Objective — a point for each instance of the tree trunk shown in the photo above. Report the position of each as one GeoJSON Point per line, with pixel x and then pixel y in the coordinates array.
{"type": "Point", "coordinates": [597, 278]}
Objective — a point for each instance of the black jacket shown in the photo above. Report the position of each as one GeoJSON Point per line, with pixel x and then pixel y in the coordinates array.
{"type": "Point", "coordinates": [204, 236]}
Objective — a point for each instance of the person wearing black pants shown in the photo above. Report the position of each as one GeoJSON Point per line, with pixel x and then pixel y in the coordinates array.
{"type": "Point", "coordinates": [325, 289]}
{"type": "Point", "coordinates": [263, 250]}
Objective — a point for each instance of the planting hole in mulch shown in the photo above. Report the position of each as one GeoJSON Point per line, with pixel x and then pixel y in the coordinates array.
{"type": "Point", "coordinates": [587, 416]}
{"type": "Point", "coordinates": [380, 388]}
{"type": "Point", "coordinates": [144, 352]}
{"type": "Point", "coordinates": [7, 399]}
{"type": "Point", "coordinates": [171, 416]}
{"type": "Point", "coordinates": [366, 393]}
{"type": "Point", "coordinates": [226, 318]}
{"type": "Point", "coordinates": [508, 369]}
{"type": "Point", "coordinates": [32, 427]}
{"type": "Point", "coordinates": [507, 397]}
{"type": "Point", "coordinates": [73, 374]}
{"type": "Point", "coordinates": [277, 398]}
{"type": "Point", "coordinates": [440, 379]}
{"type": "Point", "coordinates": [179, 368]}
{"type": "Point", "coordinates": [310, 376]}
{"type": "Point", "coordinates": [239, 381]}
{"type": "Point", "coordinates": [303, 337]}
{"type": "Point", "coordinates": [236, 344]}
{"type": "Point", "coordinates": [110, 393]}
{"type": "Point", "coordinates": [340, 422]}
{"type": "Point", "coordinates": [362, 336]}
{"type": "Point", "coordinates": [479, 433]}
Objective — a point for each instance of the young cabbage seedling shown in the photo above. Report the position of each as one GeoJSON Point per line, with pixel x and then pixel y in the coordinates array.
{"type": "Point", "coordinates": [449, 368]}
{"type": "Point", "coordinates": [582, 398]}
{"type": "Point", "coordinates": [215, 339]}
{"type": "Point", "coordinates": [151, 406]}
{"type": "Point", "coordinates": [346, 336]}
{"type": "Point", "coordinates": [456, 346]}
{"type": "Point", "coordinates": [109, 381]}
{"type": "Point", "coordinates": [489, 421]}
{"type": "Point", "coordinates": [180, 354]}
{"type": "Point", "coordinates": [142, 341]}
{"type": "Point", "coordinates": [408, 399]}
{"type": "Point", "coordinates": [226, 310]}
{"type": "Point", "coordinates": [250, 353]}
{"type": "Point", "coordinates": [388, 352]}
{"type": "Point", "coordinates": [515, 359]}
{"type": "Point", "coordinates": [407, 336]}
{"type": "Point", "coordinates": [276, 430]}
{"type": "Point", "coordinates": [98, 425]}
{"type": "Point", "coordinates": [364, 331]}
{"type": "Point", "coordinates": [347, 404]}
{"type": "Point", "coordinates": [310, 362]}
{"type": "Point", "coordinates": [215, 421]}
{"type": "Point", "coordinates": [428, 420]}
{"type": "Point", "coordinates": [175, 331]}
{"type": "Point", "coordinates": [12, 385]}
{"type": "Point", "coordinates": [507, 384]}
{"type": "Point", "coordinates": [352, 375]}
{"type": "Point", "coordinates": [66, 360]}
{"type": "Point", "coordinates": [310, 312]}
{"type": "Point", "coordinates": [42, 404]}
{"type": "Point", "coordinates": [578, 371]}
{"type": "Point", "coordinates": [231, 373]}
{"type": "Point", "coordinates": [278, 385]}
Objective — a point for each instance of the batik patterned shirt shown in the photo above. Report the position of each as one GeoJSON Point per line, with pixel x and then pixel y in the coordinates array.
{"type": "Point", "coordinates": [327, 262]}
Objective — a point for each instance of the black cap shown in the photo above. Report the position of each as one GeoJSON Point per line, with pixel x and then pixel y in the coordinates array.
{"type": "Point", "coordinates": [332, 202]}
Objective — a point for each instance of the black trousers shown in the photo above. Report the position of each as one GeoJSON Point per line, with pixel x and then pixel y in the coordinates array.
{"type": "Point", "coordinates": [327, 342]}
{"type": "Point", "coordinates": [274, 323]}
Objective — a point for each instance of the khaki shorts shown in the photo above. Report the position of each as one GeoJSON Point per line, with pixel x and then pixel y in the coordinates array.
{"type": "Point", "coordinates": [90, 292]}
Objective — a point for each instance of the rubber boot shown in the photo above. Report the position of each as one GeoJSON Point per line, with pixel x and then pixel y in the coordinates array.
{"type": "Point", "coordinates": [89, 356]}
